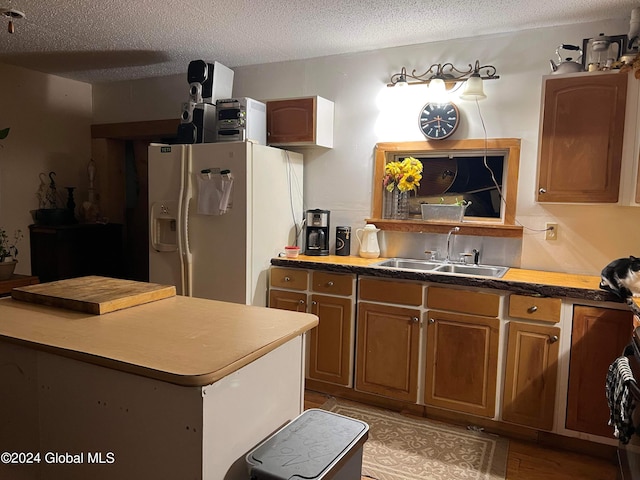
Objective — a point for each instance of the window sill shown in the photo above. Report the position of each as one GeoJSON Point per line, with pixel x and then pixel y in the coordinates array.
{"type": "Point", "coordinates": [466, 228]}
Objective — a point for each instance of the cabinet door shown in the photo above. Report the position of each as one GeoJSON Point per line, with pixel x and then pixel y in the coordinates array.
{"type": "Point", "coordinates": [531, 375]}
{"type": "Point", "coordinates": [598, 337]}
{"type": "Point", "coordinates": [462, 362]}
{"type": "Point", "coordinates": [330, 342]}
{"type": "Point", "coordinates": [387, 351]}
{"type": "Point", "coordinates": [290, 121]}
{"type": "Point", "coordinates": [294, 301]}
{"type": "Point", "coordinates": [581, 138]}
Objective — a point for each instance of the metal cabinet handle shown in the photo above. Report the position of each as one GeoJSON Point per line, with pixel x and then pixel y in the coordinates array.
{"type": "Point", "coordinates": [553, 339]}
{"type": "Point", "coordinates": [542, 190]}
{"type": "Point", "coordinates": [329, 284]}
{"type": "Point", "coordinates": [302, 306]}
{"type": "Point", "coordinates": [432, 320]}
{"type": "Point", "coordinates": [532, 309]}
{"type": "Point", "coordinates": [287, 279]}
{"type": "Point", "coordinates": [415, 319]}
{"type": "Point", "coordinates": [314, 303]}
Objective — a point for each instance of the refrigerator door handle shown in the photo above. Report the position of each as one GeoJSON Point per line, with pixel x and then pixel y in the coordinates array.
{"type": "Point", "coordinates": [186, 193]}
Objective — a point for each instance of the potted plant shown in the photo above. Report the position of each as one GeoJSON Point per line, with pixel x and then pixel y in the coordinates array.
{"type": "Point", "coordinates": [8, 253]}
{"type": "Point", "coordinates": [444, 212]}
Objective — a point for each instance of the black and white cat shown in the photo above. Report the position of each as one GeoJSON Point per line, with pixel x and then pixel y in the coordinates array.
{"type": "Point", "coordinates": [622, 277]}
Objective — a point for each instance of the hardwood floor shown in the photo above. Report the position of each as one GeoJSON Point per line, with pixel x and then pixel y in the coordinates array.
{"type": "Point", "coordinates": [529, 461]}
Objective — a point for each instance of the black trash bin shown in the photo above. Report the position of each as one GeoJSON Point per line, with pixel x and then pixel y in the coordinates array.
{"type": "Point", "coordinates": [316, 445]}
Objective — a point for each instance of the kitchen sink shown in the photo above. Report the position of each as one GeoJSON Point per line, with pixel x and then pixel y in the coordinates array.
{"type": "Point", "coordinates": [481, 270]}
{"type": "Point", "coordinates": [407, 264]}
{"type": "Point", "coordinates": [440, 267]}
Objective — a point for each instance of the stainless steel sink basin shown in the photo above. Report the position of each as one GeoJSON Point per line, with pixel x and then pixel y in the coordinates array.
{"type": "Point", "coordinates": [480, 270]}
{"type": "Point", "coordinates": [439, 267]}
{"type": "Point", "coordinates": [407, 264]}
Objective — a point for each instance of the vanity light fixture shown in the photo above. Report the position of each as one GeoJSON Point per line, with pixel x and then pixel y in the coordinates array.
{"type": "Point", "coordinates": [11, 14]}
{"type": "Point", "coordinates": [446, 75]}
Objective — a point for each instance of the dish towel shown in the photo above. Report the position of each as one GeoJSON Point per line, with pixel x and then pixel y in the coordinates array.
{"type": "Point", "coordinates": [214, 193]}
{"type": "Point", "coordinates": [620, 399]}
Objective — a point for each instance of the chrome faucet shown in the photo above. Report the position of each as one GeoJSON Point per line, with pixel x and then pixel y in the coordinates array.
{"type": "Point", "coordinates": [433, 254]}
{"type": "Point", "coordinates": [450, 243]}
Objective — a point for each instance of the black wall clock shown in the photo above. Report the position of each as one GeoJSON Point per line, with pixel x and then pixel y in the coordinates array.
{"type": "Point", "coordinates": [439, 120]}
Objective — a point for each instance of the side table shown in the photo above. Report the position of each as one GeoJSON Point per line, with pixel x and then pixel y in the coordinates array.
{"type": "Point", "coordinates": [16, 281]}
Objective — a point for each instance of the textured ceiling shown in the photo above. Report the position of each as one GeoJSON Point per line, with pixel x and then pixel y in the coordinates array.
{"type": "Point", "coordinates": [106, 40]}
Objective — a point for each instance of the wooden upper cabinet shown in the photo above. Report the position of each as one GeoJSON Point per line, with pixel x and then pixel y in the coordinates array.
{"type": "Point", "coordinates": [300, 121]}
{"type": "Point", "coordinates": [581, 138]}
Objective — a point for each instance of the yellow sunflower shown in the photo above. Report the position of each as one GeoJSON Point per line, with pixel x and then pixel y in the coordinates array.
{"type": "Point", "coordinates": [405, 175]}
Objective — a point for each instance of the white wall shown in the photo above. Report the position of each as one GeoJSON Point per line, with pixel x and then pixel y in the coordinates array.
{"type": "Point", "coordinates": [340, 179]}
{"type": "Point", "coordinates": [50, 120]}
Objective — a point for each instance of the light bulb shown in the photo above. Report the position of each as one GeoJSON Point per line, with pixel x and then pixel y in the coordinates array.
{"type": "Point", "coordinates": [438, 91]}
{"type": "Point", "coordinates": [473, 89]}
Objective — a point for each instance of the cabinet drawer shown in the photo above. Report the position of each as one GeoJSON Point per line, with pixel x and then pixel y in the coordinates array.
{"type": "Point", "coordinates": [463, 301]}
{"type": "Point", "coordinates": [535, 308]}
{"type": "Point", "coordinates": [332, 283]}
{"type": "Point", "coordinates": [405, 293]}
{"type": "Point", "coordinates": [290, 278]}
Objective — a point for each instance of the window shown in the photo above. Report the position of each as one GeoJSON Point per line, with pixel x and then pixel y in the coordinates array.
{"type": "Point", "coordinates": [456, 169]}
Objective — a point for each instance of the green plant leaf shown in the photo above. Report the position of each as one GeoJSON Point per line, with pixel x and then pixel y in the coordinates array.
{"type": "Point", "coordinates": [4, 132]}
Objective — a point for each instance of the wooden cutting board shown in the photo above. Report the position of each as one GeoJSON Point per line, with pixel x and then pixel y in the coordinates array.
{"type": "Point", "coordinates": [96, 295]}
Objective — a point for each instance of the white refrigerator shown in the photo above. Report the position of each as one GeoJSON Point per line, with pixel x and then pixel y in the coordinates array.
{"type": "Point", "coordinates": [215, 240]}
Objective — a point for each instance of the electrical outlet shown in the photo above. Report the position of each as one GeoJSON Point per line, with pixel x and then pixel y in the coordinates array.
{"type": "Point", "coordinates": [551, 232]}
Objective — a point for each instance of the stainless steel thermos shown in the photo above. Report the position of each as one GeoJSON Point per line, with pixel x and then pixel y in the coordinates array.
{"type": "Point", "coordinates": [343, 241]}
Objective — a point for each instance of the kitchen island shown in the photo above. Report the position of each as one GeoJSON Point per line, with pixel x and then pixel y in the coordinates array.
{"type": "Point", "coordinates": [176, 388]}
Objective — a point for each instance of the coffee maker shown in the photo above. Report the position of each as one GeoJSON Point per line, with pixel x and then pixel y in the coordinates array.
{"type": "Point", "coordinates": [317, 232]}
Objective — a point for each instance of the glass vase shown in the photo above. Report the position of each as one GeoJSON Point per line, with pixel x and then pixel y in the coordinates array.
{"type": "Point", "coordinates": [396, 205]}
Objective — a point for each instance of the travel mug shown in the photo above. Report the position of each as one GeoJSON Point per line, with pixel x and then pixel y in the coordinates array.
{"type": "Point", "coordinates": [343, 241]}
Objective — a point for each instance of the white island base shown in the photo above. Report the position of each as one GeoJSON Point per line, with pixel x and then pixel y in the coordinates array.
{"type": "Point", "coordinates": [86, 421]}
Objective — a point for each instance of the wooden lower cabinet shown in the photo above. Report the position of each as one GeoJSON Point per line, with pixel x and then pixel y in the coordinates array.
{"type": "Point", "coordinates": [284, 300]}
{"type": "Point", "coordinates": [330, 342]}
{"type": "Point", "coordinates": [462, 362]}
{"type": "Point", "coordinates": [388, 339]}
{"type": "Point", "coordinates": [598, 337]}
{"type": "Point", "coordinates": [531, 375]}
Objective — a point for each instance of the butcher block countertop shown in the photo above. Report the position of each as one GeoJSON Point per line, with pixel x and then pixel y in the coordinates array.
{"type": "Point", "coordinates": [186, 341]}
{"type": "Point", "coordinates": [528, 282]}
{"type": "Point", "coordinates": [93, 294]}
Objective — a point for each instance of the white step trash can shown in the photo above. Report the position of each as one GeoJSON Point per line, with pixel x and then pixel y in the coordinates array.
{"type": "Point", "coordinates": [316, 445]}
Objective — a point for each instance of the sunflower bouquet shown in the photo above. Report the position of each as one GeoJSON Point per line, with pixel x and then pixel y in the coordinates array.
{"type": "Point", "coordinates": [404, 175]}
